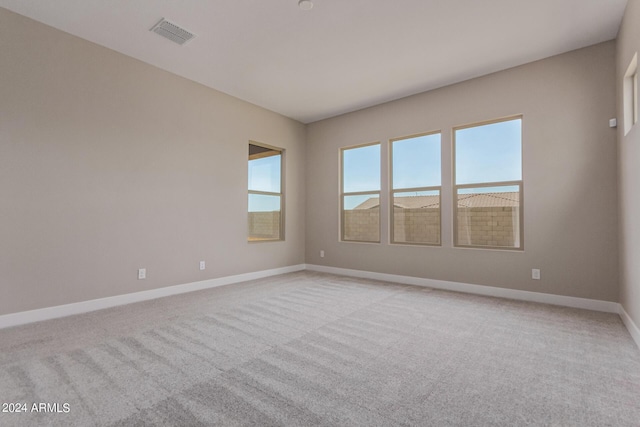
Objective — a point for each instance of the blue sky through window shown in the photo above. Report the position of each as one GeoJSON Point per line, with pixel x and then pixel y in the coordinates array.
{"type": "Point", "coordinates": [489, 153]}
{"type": "Point", "coordinates": [416, 193]}
{"type": "Point", "coordinates": [265, 175]}
{"type": "Point", "coordinates": [361, 168]}
{"type": "Point", "coordinates": [263, 203]}
{"type": "Point", "coordinates": [416, 162]}
{"type": "Point", "coordinates": [481, 190]}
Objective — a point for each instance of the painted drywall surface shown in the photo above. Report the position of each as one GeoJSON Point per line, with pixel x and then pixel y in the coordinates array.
{"type": "Point", "coordinates": [108, 164]}
{"type": "Point", "coordinates": [628, 44]}
{"type": "Point", "coordinates": [569, 173]}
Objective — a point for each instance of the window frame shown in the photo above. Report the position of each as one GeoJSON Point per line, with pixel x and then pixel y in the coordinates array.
{"type": "Point", "coordinates": [344, 194]}
{"type": "Point", "coordinates": [630, 95]}
{"type": "Point", "coordinates": [281, 194]}
{"type": "Point", "coordinates": [393, 191]}
{"type": "Point", "coordinates": [634, 88]}
{"type": "Point", "coordinates": [520, 183]}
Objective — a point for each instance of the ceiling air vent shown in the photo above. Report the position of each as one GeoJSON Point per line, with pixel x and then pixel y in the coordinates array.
{"type": "Point", "coordinates": [172, 32]}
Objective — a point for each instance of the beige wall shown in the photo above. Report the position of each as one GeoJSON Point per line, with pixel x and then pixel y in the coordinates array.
{"type": "Point", "coordinates": [629, 172]}
{"type": "Point", "coordinates": [569, 169]}
{"type": "Point", "coordinates": [108, 164]}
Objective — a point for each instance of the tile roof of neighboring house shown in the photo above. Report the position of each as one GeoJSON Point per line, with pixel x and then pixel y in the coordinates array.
{"type": "Point", "coordinates": [370, 203]}
{"type": "Point", "coordinates": [489, 200]}
{"type": "Point", "coordinates": [483, 200]}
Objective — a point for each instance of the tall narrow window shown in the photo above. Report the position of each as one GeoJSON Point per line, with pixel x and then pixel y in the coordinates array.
{"type": "Point", "coordinates": [635, 97]}
{"type": "Point", "coordinates": [360, 195]}
{"type": "Point", "coordinates": [630, 95]}
{"type": "Point", "coordinates": [266, 200]}
{"type": "Point", "coordinates": [488, 185]}
{"type": "Point", "coordinates": [415, 189]}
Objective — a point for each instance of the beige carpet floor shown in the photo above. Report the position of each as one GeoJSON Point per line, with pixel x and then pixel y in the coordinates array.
{"type": "Point", "coordinates": [317, 349]}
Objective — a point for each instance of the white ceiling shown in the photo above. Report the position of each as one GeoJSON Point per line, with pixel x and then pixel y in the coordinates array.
{"type": "Point", "coordinates": [340, 56]}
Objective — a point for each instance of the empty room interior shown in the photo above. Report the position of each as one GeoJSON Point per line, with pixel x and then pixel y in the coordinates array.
{"type": "Point", "coordinates": [319, 212]}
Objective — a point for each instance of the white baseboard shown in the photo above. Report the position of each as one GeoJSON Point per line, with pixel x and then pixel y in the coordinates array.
{"type": "Point", "coordinates": [631, 326]}
{"type": "Point", "coordinates": [588, 304]}
{"type": "Point", "coordinates": [24, 317]}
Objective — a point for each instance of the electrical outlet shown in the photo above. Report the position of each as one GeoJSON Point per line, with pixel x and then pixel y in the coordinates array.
{"type": "Point", "coordinates": [535, 274]}
{"type": "Point", "coordinates": [202, 265]}
{"type": "Point", "coordinates": [142, 273]}
{"type": "Point", "coordinates": [321, 254]}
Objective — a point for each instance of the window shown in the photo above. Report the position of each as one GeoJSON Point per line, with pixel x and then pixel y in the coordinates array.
{"type": "Point", "coordinates": [635, 97]}
{"type": "Point", "coordinates": [360, 194]}
{"type": "Point", "coordinates": [488, 185]}
{"type": "Point", "coordinates": [265, 193]}
{"type": "Point", "coordinates": [630, 95]}
{"type": "Point", "coordinates": [415, 189]}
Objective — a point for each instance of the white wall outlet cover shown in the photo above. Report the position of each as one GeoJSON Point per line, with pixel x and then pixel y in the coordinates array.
{"type": "Point", "coordinates": [142, 273]}
{"type": "Point", "coordinates": [202, 265]}
{"type": "Point", "coordinates": [535, 274]}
